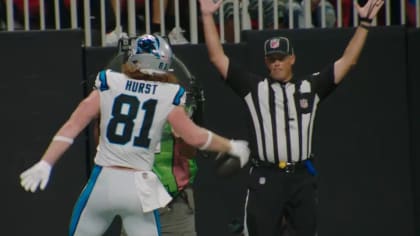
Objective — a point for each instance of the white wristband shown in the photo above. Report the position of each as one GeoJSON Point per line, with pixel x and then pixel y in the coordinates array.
{"type": "Point", "coordinates": [63, 139]}
{"type": "Point", "coordinates": [209, 138]}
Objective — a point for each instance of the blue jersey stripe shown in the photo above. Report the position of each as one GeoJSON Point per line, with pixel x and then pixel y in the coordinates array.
{"type": "Point", "coordinates": [178, 96]}
{"type": "Point", "coordinates": [102, 78]}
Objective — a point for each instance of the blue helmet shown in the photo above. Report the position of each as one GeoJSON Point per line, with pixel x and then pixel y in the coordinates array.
{"type": "Point", "coordinates": [150, 54]}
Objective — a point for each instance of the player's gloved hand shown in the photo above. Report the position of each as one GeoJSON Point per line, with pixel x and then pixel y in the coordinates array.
{"type": "Point", "coordinates": [35, 176]}
{"type": "Point", "coordinates": [239, 148]}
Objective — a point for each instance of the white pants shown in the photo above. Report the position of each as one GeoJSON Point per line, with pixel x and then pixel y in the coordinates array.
{"type": "Point", "coordinates": [110, 192]}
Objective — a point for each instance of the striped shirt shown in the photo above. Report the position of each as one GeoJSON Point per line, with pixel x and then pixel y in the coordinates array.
{"type": "Point", "coordinates": [282, 114]}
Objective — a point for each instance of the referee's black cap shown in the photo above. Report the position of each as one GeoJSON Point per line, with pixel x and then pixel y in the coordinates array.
{"type": "Point", "coordinates": [278, 45]}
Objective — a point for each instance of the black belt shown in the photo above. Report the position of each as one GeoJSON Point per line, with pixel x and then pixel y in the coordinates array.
{"type": "Point", "coordinates": [288, 167]}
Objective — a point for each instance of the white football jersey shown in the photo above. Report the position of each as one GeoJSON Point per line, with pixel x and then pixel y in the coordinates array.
{"type": "Point", "coordinates": [133, 113]}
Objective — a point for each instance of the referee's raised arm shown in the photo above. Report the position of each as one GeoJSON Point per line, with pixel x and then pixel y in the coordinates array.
{"type": "Point", "coordinates": [350, 56]}
{"type": "Point", "coordinates": [214, 47]}
{"type": "Point", "coordinates": [282, 195]}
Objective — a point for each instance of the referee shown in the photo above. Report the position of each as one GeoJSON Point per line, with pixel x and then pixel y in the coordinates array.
{"type": "Point", "coordinates": [282, 183]}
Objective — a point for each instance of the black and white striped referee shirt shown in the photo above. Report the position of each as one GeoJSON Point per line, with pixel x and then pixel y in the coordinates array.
{"type": "Point", "coordinates": [282, 113]}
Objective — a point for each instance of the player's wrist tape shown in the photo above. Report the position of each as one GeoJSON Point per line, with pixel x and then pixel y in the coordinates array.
{"type": "Point", "coordinates": [209, 139]}
{"type": "Point", "coordinates": [63, 139]}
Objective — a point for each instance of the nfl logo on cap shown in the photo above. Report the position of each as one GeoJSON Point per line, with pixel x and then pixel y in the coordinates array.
{"type": "Point", "coordinates": [279, 45]}
{"type": "Point", "coordinates": [274, 43]}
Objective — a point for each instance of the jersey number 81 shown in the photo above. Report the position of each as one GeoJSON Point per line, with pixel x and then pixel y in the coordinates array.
{"type": "Point", "coordinates": [127, 120]}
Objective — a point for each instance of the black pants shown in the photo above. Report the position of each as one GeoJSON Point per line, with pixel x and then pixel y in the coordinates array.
{"type": "Point", "coordinates": [275, 197]}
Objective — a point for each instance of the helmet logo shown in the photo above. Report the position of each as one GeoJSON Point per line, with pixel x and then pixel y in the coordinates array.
{"type": "Point", "coordinates": [150, 54]}
{"type": "Point", "coordinates": [148, 44]}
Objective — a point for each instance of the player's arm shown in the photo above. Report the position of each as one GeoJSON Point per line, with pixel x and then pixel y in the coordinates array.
{"type": "Point", "coordinates": [214, 47]}
{"type": "Point", "coordinates": [39, 173]}
{"type": "Point", "coordinates": [195, 135]}
{"type": "Point", "coordinates": [355, 46]}
{"type": "Point", "coordinates": [186, 150]}
{"type": "Point", "coordinates": [85, 112]}
{"type": "Point", "coordinates": [204, 139]}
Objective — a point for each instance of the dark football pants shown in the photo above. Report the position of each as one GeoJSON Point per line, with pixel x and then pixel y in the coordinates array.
{"type": "Point", "coordinates": [273, 195]}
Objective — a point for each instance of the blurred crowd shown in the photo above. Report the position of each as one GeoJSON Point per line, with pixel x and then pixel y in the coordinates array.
{"type": "Point", "coordinates": [179, 35]}
{"type": "Point", "coordinates": [113, 32]}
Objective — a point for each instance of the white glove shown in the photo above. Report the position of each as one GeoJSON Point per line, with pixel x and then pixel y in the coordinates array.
{"type": "Point", "coordinates": [239, 148]}
{"type": "Point", "coordinates": [35, 176]}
